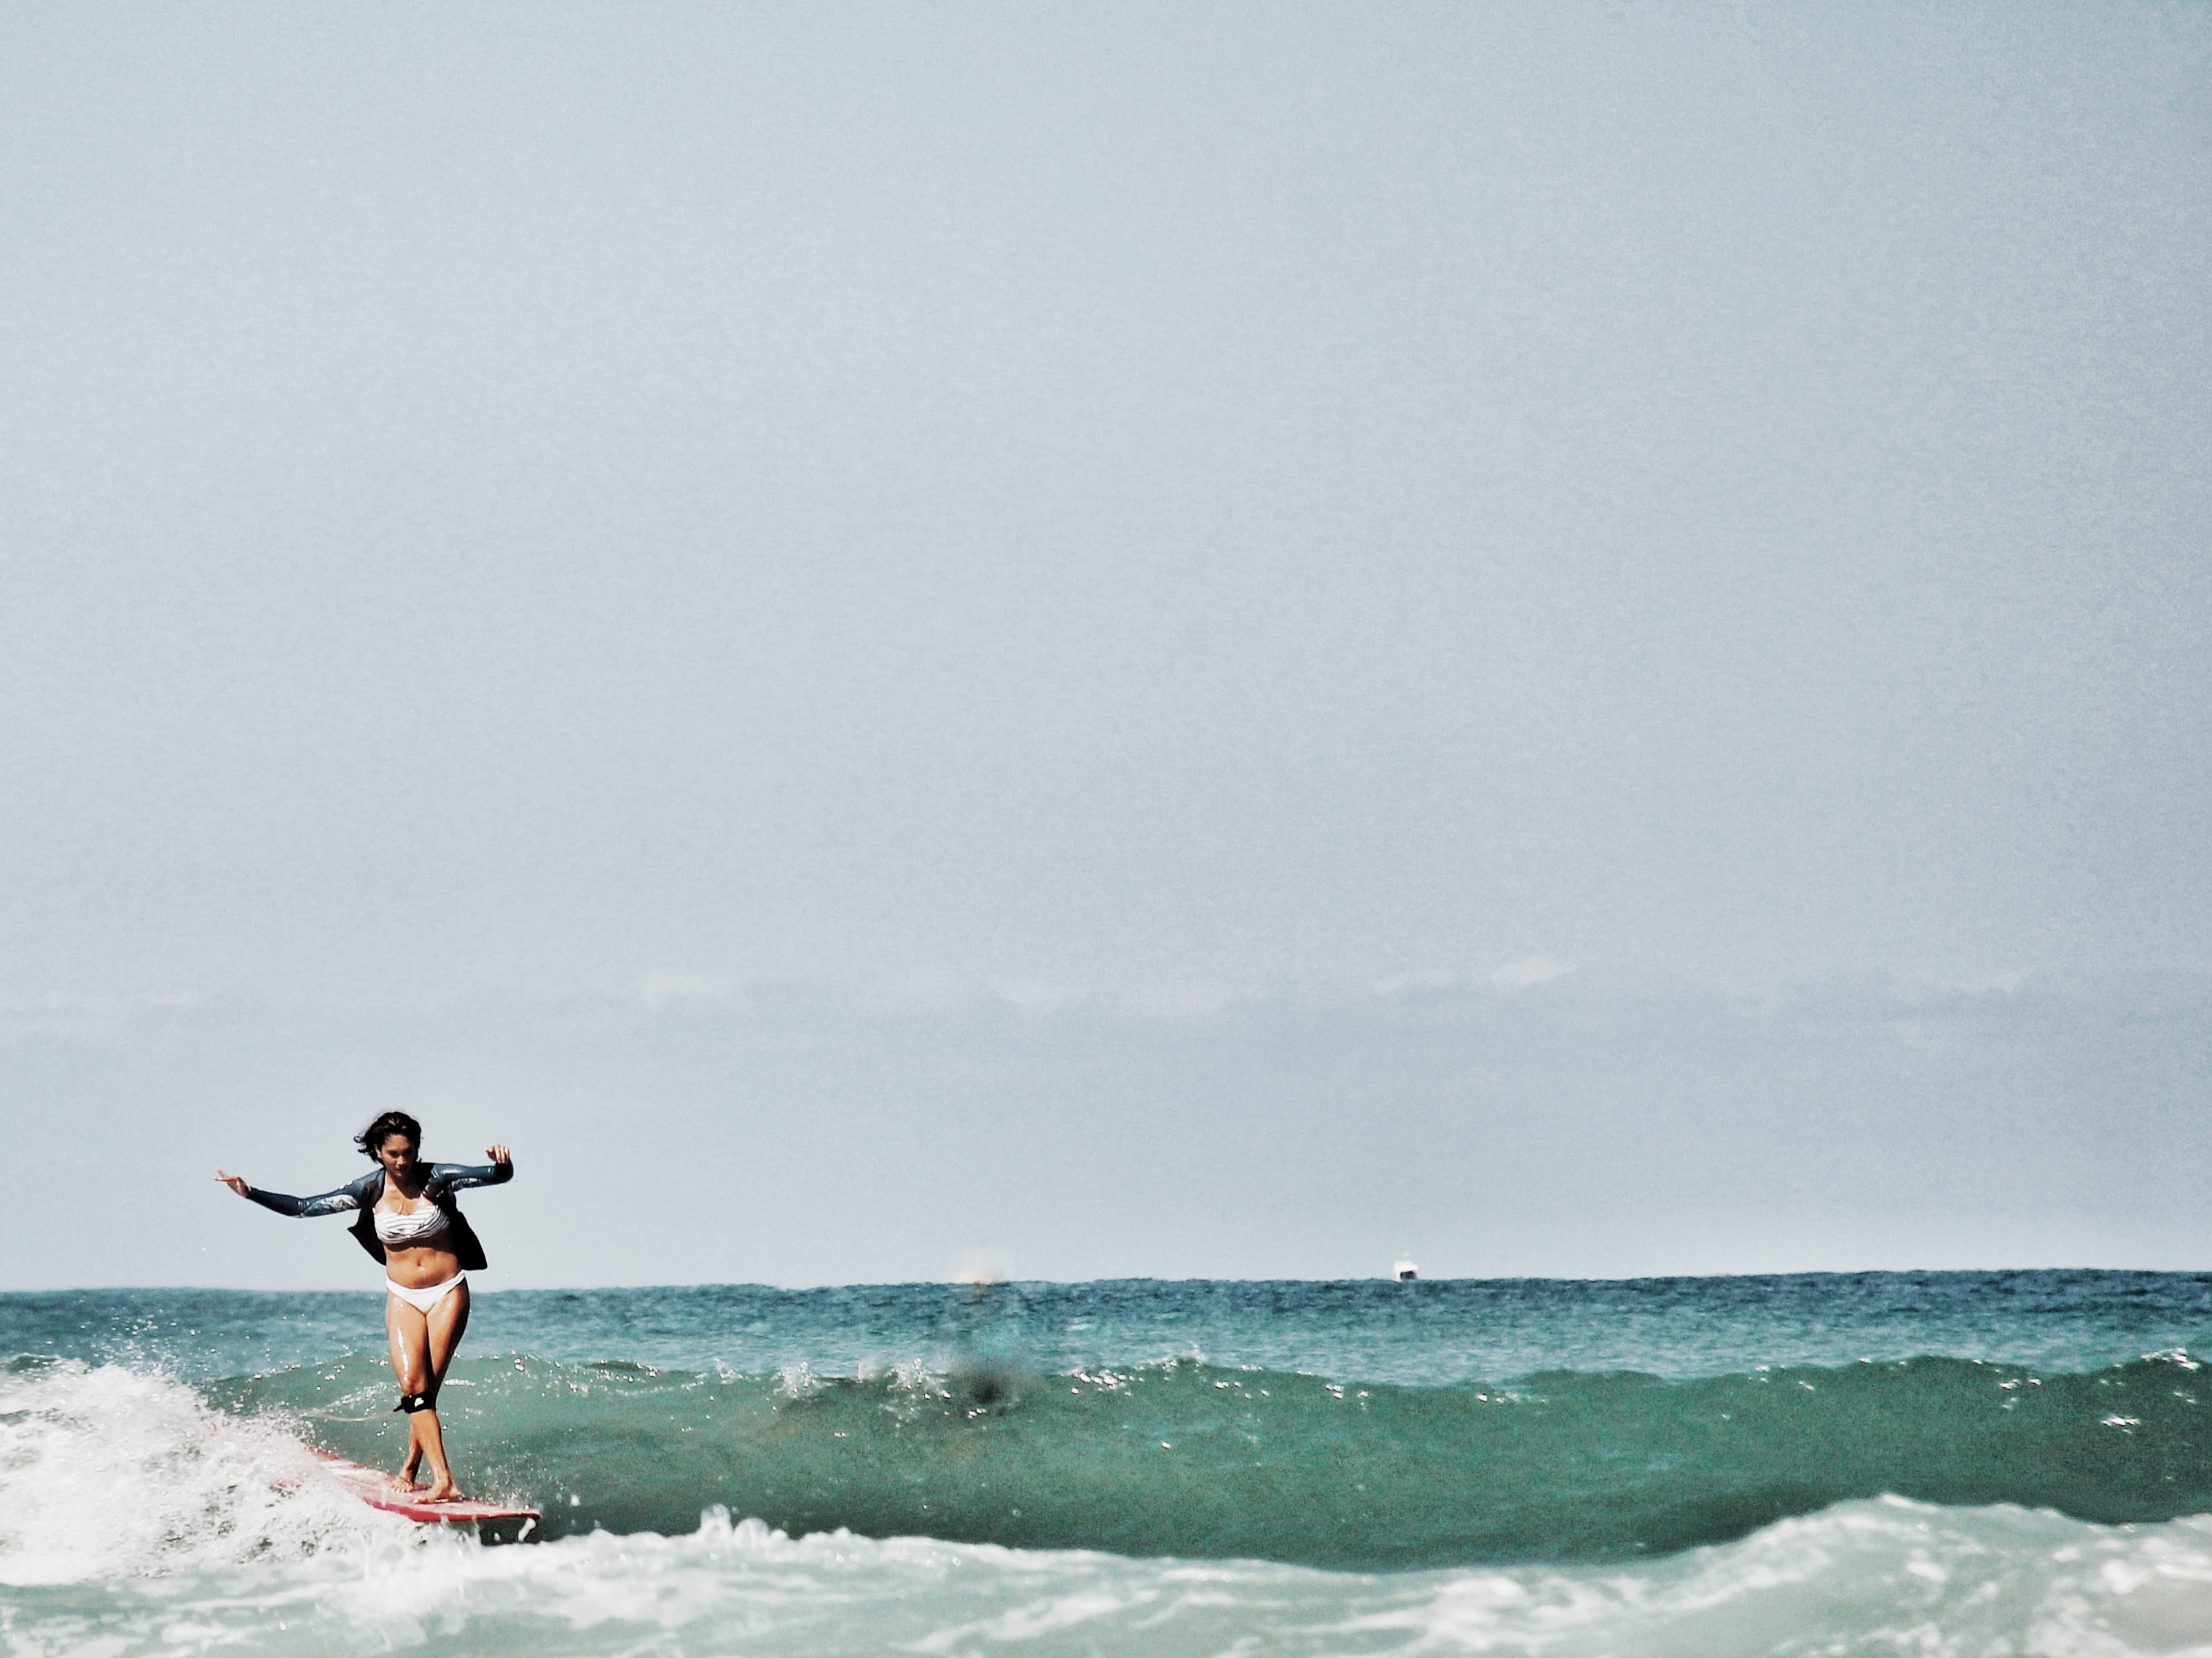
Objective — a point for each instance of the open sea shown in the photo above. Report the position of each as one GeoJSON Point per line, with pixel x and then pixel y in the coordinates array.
{"type": "Point", "coordinates": [2004, 1463]}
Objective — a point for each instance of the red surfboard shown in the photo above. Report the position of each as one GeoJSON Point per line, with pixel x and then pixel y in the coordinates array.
{"type": "Point", "coordinates": [495, 1521]}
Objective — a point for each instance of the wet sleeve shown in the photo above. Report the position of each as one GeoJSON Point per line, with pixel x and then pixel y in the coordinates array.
{"type": "Point", "coordinates": [452, 1176]}
{"type": "Point", "coordinates": [323, 1203]}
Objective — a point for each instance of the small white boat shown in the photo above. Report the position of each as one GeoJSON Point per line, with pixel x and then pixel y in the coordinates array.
{"type": "Point", "coordinates": [1404, 1271]}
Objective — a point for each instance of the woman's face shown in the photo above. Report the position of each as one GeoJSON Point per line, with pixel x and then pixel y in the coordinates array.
{"type": "Point", "coordinates": [396, 1154]}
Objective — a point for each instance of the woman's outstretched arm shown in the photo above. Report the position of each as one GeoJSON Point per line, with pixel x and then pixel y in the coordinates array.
{"type": "Point", "coordinates": [452, 1176]}
{"type": "Point", "coordinates": [324, 1203]}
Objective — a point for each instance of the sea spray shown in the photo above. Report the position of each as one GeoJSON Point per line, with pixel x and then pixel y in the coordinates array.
{"type": "Point", "coordinates": [108, 1472]}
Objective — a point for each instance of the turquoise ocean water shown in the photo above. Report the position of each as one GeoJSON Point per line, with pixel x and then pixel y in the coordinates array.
{"type": "Point", "coordinates": [1927, 1463]}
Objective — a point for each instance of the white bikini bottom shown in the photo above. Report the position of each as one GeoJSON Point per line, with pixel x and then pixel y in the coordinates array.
{"type": "Point", "coordinates": [424, 1299]}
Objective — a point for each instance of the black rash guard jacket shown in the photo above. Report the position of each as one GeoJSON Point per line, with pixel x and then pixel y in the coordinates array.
{"type": "Point", "coordinates": [446, 1179]}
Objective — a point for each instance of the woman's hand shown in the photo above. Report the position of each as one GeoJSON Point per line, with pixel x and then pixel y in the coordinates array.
{"type": "Point", "coordinates": [499, 1154]}
{"type": "Point", "coordinates": [235, 1182]}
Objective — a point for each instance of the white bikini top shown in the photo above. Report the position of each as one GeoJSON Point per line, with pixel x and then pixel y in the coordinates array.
{"type": "Point", "coordinates": [417, 1227]}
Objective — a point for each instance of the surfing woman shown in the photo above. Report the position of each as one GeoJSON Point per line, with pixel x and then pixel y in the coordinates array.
{"type": "Point", "coordinates": [407, 1221]}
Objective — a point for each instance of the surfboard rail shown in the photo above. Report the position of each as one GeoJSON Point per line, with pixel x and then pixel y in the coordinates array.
{"type": "Point", "coordinates": [495, 1522]}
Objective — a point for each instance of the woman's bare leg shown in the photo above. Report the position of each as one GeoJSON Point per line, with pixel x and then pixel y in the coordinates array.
{"type": "Point", "coordinates": [422, 1348]}
{"type": "Point", "coordinates": [403, 1328]}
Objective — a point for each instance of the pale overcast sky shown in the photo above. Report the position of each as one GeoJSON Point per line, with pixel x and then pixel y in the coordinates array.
{"type": "Point", "coordinates": [1116, 515]}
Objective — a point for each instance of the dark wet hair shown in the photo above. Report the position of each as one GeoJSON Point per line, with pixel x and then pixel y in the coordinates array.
{"type": "Point", "coordinates": [371, 1140]}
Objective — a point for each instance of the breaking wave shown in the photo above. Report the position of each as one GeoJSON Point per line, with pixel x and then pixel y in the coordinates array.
{"type": "Point", "coordinates": [139, 1515]}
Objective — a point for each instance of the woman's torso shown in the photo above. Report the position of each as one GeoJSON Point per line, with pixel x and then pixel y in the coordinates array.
{"type": "Point", "coordinates": [417, 1236]}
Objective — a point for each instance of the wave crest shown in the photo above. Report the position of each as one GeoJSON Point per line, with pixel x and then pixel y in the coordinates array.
{"type": "Point", "coordinates": [107, 1471]}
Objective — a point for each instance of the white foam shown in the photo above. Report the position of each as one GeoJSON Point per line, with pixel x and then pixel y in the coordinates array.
{"type": "Point", "coordinates": [1883, 1577]}
{"type": "Point", "coordinates": [107, 1472]}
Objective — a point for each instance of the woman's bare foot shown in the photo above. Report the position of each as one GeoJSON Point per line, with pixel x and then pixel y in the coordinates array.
{"type": "Point", "coordinates": [441, 1490]}
{"type": "Point", "coordinates": [403, 1480]}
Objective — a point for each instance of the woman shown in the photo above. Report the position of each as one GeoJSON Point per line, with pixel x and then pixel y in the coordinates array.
{"type": "Point", "coordinates": [407, 1221]}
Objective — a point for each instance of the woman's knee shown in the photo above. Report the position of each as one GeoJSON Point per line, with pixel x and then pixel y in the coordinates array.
{"type": "Point", "coordinates": [413, 1369]}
